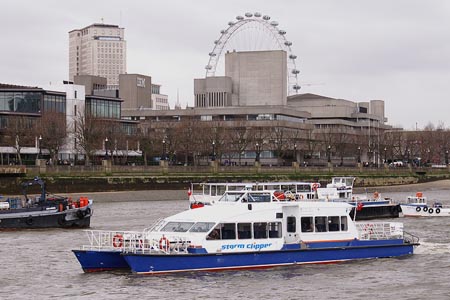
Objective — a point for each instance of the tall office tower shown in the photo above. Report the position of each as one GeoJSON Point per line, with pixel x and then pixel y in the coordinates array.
{"type": "Point", "coordinates": [100, 50]}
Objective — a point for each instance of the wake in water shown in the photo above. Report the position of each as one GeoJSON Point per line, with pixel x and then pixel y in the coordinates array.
{"type": "Point", "coordinates": [432, 248]}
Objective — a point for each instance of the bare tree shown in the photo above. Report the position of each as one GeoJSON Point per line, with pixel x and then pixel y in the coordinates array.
{"type": "Point", "coordinates": [52, 130]}
{"type": "Point", "coordinates": [90, 133]}
{"type": "Point", "coordinates": [20, 132]}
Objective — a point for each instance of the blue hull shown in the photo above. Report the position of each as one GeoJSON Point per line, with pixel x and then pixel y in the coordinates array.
{"type": "Point", "coordinates": [96, 261]}
{"type": "Point", "coordinates": [157, 263]}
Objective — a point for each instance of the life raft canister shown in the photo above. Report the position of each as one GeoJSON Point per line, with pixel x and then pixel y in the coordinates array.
{"type": "Point", "coordinates": [117, 241]}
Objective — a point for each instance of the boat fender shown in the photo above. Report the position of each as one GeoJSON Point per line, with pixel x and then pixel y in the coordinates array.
{"type": "Point", "coordinates": [418, 208]}
{"type": "Point", "coordinates": [164, 244]}
{"type": "Point", "coordinates": [430, 210]}
{"type": "Point", "coordinates": [117, 241]}
{"type": "Point", "coordinates": [80, 214]}
{"type": "Point", "coordinates": [87, 211]}
{"type": "Point", "coordinates": [438, 210]}
{"type": "Point", "coordinates": [29, 221]}
{"type": "Point", "coordinates": [301, 197]}
{"type": "Point", "coordinates": [425, 209]}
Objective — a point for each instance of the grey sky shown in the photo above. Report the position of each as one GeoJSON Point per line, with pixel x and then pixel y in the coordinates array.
{"type": "Point", "coordinates": [397, 51]}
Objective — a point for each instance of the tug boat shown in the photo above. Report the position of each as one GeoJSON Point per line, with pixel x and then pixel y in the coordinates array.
{"type": "Point", "coordinates": [44, 211]}
{"type": "Point", "coordinates": [417, 206]}
{"type": "Point", "coordinates": [246, 230]}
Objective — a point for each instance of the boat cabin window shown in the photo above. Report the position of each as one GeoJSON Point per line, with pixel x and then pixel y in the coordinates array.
{"type": "Point", "coordinates": [324, 224]}
{"type": "Point", "coordinates": [321, 224]}
{"type": "Point", "coordinates": [177, 226]}
{"type": "Point", "coordinates": [303, 188]}
{"type": "Point", "coordinates": [244, 230]}
{"type": "Point", "coordinates": [231, 197]}
{"type": "Point", "coordinates": [258, 197]}
{"type": "Point", "coordinates": [201, 227]}
{"type": "Point", "coordinates": [291, 224]}
{"type": "Point", "coordinates": [275, 230]}
{"type": "Point", "coordinates": [307, 224]}
{"type": "Point", "coordinates": [260, 230]}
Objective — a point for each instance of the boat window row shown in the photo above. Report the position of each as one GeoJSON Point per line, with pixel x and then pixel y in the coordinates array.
{"type": "Point", "coordinates": [256, 230]}
{"type": "Point", "coordinates": [319, 224]}
{"type": "Point", "coordinates": [246, 197]}
{"type": "Point", "coordinates": [188, 226]}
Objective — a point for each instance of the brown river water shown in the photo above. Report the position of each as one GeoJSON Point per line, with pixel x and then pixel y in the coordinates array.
{"type": "Point", "coordinates": [39, 264]}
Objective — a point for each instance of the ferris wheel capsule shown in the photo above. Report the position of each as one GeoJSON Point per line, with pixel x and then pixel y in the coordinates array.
{"type": "Point", "coordinates": [257, 14]}
{"type": "Point", "coordinates": [266, 17]}
{"type": "Point", "coordinates": [208, 67]}
{"type": "Point", "coordinates": [239, 18]}
{"type": "Point", "coordinates": [231, 23]}
{"type": "Point", "coordinates": [248, 15]}
{"type": "Point", "coordinates": [292, 56]}
{"type": "Point", "coordinates": [223, 31]}
{"type": "Point", "coordinates": [295, 71]}
{"type": "Point", "coordinates": [212, 54]}
{"type": "Point", "coordinates": [296, 87]}
{"type": "Point", "coordinates": [287, 43]}
{"type": "Point", "coordinates": [274, 23]}
{"type": "Point", "coordinates": [216, 42]}
{"type": "Point", "coordinates": [282, 32]}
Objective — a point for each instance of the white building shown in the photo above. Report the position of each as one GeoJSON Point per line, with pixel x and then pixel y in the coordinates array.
{"type": "Point", "coordinates": [159, 101]}
{"type": "Point", "coordinates": [98, 49]}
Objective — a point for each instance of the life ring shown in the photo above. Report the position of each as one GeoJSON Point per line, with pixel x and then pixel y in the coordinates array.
{"type": "Point", "coordinates": [418, 208]}
{"type": "Point", "coordinates": [438, 210]}
{"type": "Point", "coordinates": [376, 195]}
{"type": "Point", "coordinates": [117, 241]}
{"type": "Point", "coordinates": [315, 186]}
{"type": "Point", "coordinates": [164, 244]}
{"type": "Point", "coordinates": [430, 210]}
{"type": "Point", "coordinates": [425, 209]}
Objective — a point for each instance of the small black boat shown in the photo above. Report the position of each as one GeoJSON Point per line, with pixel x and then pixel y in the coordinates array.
{"type": "Point", "coordinates": [44, 211]}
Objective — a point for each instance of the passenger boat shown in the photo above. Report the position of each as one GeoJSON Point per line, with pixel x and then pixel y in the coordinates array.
{"type": "Point", "coordinates": [247, 230]}
{"type": "Point", "coordinates": [417, 206]}
{"type": "Point", "coordinates": [44, 211]}
{"type": "Point", "coordinates": [339, 190]}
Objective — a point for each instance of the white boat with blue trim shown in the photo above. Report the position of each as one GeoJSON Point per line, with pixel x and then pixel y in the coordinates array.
{"type": "Point", "coordinates": [417, 206]}
{"type": "Point", "coordinates": [247, 230]}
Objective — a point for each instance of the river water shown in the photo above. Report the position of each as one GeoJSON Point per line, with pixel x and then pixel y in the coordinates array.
{"type": "Point", "coordinates": [38, 264]}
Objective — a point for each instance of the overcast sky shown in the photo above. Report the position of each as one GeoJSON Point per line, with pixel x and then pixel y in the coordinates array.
{"type": "Point", "coordinates": [396, 51]}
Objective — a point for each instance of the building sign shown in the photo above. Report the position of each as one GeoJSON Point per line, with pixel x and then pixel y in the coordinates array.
{"type": "Point", "coordinates": [140, 82]}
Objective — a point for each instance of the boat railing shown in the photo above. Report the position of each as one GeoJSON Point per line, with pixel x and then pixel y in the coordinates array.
{"type": "Point", "coordinates": [380, 231]}
{"type": "Point", "coordinates": [111, 240]}
{"type": "Point", "coordinates": [164, 245]}
{"type": "Point", "coordinates": [410, 238]}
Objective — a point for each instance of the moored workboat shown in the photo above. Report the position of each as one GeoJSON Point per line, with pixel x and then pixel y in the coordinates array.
{"type": "Point", "coordinates": [44, 211]}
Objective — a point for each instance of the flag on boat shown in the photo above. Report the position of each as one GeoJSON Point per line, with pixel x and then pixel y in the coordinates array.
{"type": "Point", "coordinates": [189, 192]}
{"type": "Point", "coordinates": [359, 207]}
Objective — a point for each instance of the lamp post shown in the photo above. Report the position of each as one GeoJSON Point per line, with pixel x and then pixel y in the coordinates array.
{"type": "Point", "coordinates": [295, 152]}
{"type": "Point", "coordinates": [428, 157]}
{"type": "Point", "coordinates": [40, 148]}
{"type": "Point", "coordinates": [106, 148]}
{"type": "Point", "coordinates": [164, 149]}
{"type": "Point", "coordinates": [409, 153]}
{"type": "Point", "coordinates": [258, 151]}
{"type": "Point", "coordinates": [446, 157]}
{"type": "Point", "coordinates": [385, 155]}
{"type": "Point", "coordinates": [329, 153]}
{"type": "Point", "coordinates": [213, 158]}
{"type": "Point", "coordinates": [359, 154]}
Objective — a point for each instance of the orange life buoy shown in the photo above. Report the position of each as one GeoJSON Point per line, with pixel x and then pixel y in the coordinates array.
{"type": "Point", "coordinates": [315, 186]}
{"type": "Point", "coordinates": [376, 195]}
{"type": "Point", "coordinates": [117, 241]}
{"type": "Point", "coordinates": [164, 244]}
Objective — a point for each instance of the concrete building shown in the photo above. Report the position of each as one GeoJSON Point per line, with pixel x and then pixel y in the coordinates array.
{"type": "Point", "coordinates": [136, 91]}
{"type": "Point", "coordinates": [98, 49]}
{"type": "Point", "coordinates": [251, 78]}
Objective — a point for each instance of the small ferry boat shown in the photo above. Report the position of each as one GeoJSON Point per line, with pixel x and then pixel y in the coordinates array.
{"type": "Point", "coordinates": [339, 190]}
{"type": "Point", "coordinates": [44, 211]}
{"type": "Point", "coordinates": [417, 206]}
{"type": "Point", "coordinates": [246, 230]}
